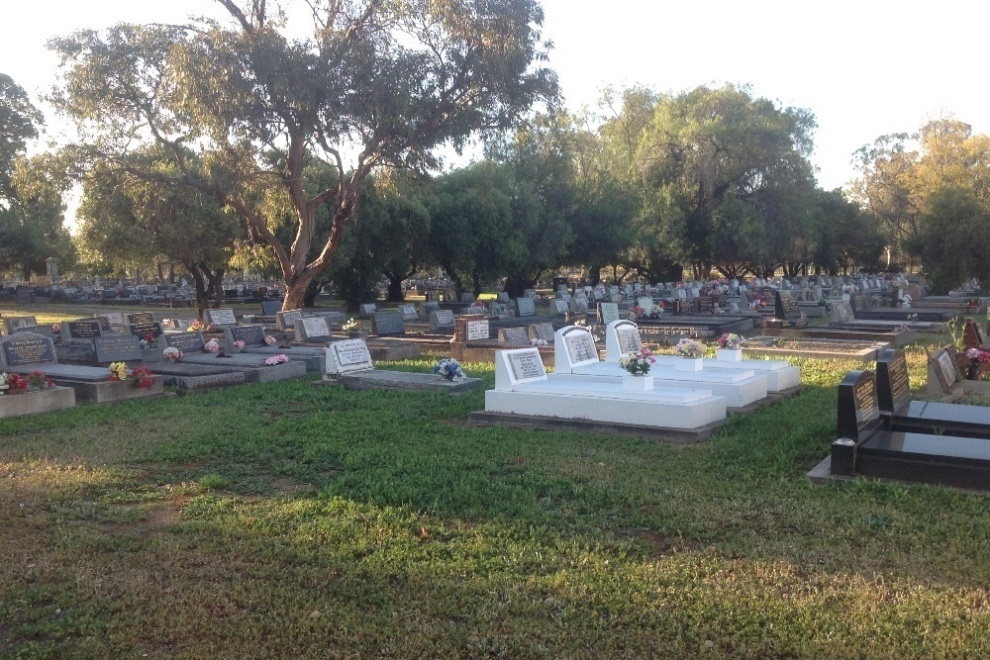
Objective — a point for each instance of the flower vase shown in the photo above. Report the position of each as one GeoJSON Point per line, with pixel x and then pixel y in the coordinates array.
{"type": "Point", "coordinates": [729, 354]}
{"type": "Point", "coordinates": [973, 371]}
{"type": "Point", "coordinates": [637, 382]}
{"type": "Point", "coordinates": [689, 364]}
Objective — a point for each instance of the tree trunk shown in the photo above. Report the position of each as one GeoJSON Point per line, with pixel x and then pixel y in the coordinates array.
{"type": "Point", "coordinates": [295, 290]}
{"type": "Point", "coordinates": [395, 292]}
{"type": "Point", "coordinates": [201, 295]}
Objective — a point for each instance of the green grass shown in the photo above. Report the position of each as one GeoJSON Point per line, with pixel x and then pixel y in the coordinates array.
{"type": "Point", "coordinates": [284, 520]}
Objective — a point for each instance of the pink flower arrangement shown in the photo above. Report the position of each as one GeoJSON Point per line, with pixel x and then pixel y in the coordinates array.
{"type": "Point", "coordinates": [212, 346]}
{"type": "Point", "coordinates": [281, 358]}
{"type": "Point", "coordinates": [270, 340]}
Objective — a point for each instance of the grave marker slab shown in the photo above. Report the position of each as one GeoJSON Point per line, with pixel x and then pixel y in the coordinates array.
{"type": "Point", "coordinates": [526, 307]}
{"type": "Point", "coordinates": [141, 329]}
{"type": "Point", "coordinates": [26, 348]}
{"type": "Point", "coordinates": [498, 310]}
{"type": "Point", "coordinates": [367, 309]}
{"type": "Point", "coordinates": [312, 329]}
{"type": "Point", "coordinates": [543, 331]}
{"type": "Point", "coordinates": [561, 306]}
{"type": "Point", "coordinates": [139, 317]}
{"type": "Point", "coordinates": [118, 348]}
{"type": "Point", "coordinates": [441, 318]}
{"type": "Point", "coordinates": [408, 311]}
{"type": "Point", "coordinates": [287, 320]}
{"type": "Point", "coordinates": [14, 324]}
{"type": "Point", "coordinates": [526, 366]}
{"type": "Point", "coordinates": [607, 312]}
{"type": "Point", "coordinates": [477, 330]}
{"type": "Point", "coordinates": [514, 336]}
{"type": "Point", "coordinates": [82, 329]}
{"type": "Point", "coordinates": [251, 335]}
{"type": "Point", "coordinates": [187, 342]}
{"type": "Point", "coordinates": [270, 307]}
{"type": "Point", "coordinates": [219, 317]}
{"type": "Point", "coordinates": [385, 324]}
{"type": "Point", "coordinates": [347, 356]}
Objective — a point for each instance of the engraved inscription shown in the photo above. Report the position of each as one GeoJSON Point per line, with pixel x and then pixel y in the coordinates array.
{"type": "Point", "coordinates": [865, 398]}
{"type": "Point", "coordinates": [526, 365]}
{"type": "Point", "coordinates": [23, 349]}
{"type": "Point", "coordinates": [581, 347]}
{"type": "Point", "coordinates": [351, 352]}
{"type": "Point", "coordinates": [477, 330]}
{"type": "Point", "coordinates": [629, 341]}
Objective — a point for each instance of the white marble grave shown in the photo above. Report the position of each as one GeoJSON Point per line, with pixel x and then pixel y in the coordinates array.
{"type": "Point", "coordinates": [522, 387]}
{"type": "Point", "coordinates": [576, 357]}
{"type": "Point", "coordinates": [623, 337]}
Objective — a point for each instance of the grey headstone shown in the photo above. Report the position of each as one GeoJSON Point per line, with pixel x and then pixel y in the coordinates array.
{"type": "Point", "coordinates": [270, 307]}
{"type": "Point", "coordinates": [187, 342]}
{"type": "Point", "coordinates": [542, 331]}
{"type": "Point", "coordinates": [367, 309]}
{"type": "Point", "coordinates": [251, 335]}
{"type": "Point", "coordinates": [560, 306]}
{"type": "Point", "coordinates": [442, 318]}
{"type": "Point", "coordinates": [26, 348]}
{"type": "Point", "coordinates": [287, 320]}
{"type": "Point", "coordinates": [607, 312]}
{"type": "Point", "coordinates": [312, 329]}
{"type": "Point", "coordinates": [118, 348]}
{"type": "Point", "coordinates": [408, 311]}
{"type": "Point", "coordinates": [387, 323]}
{"type": "Point", "coordinates": [220, 317]}
{"type": "Point", "coordinates": [526, 307]}
{"type": "Point", "coordinates": [476, 330]}
{"type": "Point", "coordinates": [513, 336]}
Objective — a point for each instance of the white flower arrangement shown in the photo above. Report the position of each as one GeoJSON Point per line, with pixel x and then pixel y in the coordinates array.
{"type": "Point", "coordinates": [212, 346]}
{"type": "Point", "coordinates": [270, 340]}
{"type": "Point", "coordinates": [350, 325]}
{"type": "Point", "coordinates": [172, 353]}
{"type": "Point", "coordinates": [689, 348]}
{"type": "Point", "coordinates": [281, 358]}
{"type": "Point", "coordinates": [536, 341]}
{"type": "Point", "coordinates": [638, 363]}
{"type": "Point", "coordinates": [450, 369]}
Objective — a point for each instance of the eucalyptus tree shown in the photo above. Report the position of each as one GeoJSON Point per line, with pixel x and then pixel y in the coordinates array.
{"type": "Point", "coordinates": [376, 82]}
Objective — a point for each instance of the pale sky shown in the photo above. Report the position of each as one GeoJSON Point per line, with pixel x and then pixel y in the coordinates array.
{"type": "Point", "coordinates": [864, 68]}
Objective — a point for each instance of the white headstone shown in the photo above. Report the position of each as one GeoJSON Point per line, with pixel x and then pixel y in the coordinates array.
{"type": "Point", "coordinates": [621, 337]}
{"type": "Point", "coordinates": [518, 366]}
{"type": "Point", "coordinates": [220, 316]}
{"type": "Point", "coordinates": [573, 346]}
{"type": "Point", "coordinates": [477, 330]}
{"type": "Point", "coordinates": [347, 356]}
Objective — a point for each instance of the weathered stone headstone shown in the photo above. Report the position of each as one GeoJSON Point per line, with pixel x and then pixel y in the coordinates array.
{"type": "Point", "coordinates": [525, 307]}
{"type": "Point", "coordinates": [115, 319]}
{"type": "Point", "coordinates": [26, 348]}
{"type": "Point", "coordinates": [219, 317]}
{"type": "Point", "coordinates": [408, 311]}
{"type": "Point", "coordinates": [607, 312]}
{"type": "Point", "coordinates": [441, 319]}
{"type": "Point", "coordinates": [367, 309]}
{"type": "Point", "coordinates": [579, 306]}
{"type": "Point", "coordinates": [542, 331]}
{"type": "Point", "coordinates": [287, 320]}
{"type": "Point", "coordinates": [118, 348]}
{"type": "Point", "coordinates": [945, 370]}
{"type": "Point", "coordinates": [560, 306]}
{"type": "Point", "coordinates": [841, 312]}
{"type": "Point", "coordinates": [513, 336]}
{"type": "Point", "coordinates": [13, 324]}
{"type": "Point", "coordinates": [385, 324]}
{"type": "Point", "coordinates": [498, 310]}
{"type": "Point", "coordinates": [270, 307]}
{"type": "Point", "coordinates": [347, 356]}
{"type": "Point", "coordinates": [312, 329]}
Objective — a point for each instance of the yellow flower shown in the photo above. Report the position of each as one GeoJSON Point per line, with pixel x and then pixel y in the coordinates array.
{"type": "Point", "coordinates": [118, 370]}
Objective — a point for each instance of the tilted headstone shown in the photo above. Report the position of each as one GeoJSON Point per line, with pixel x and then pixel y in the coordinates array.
{"type": "Point", "coordinates": [312, 329]}
{"type": "Point", "coordinates": [517, 367]}
{"type": "Point", "coordinates": [367, 309]}
{"type": "Point", "coordinates": [442, 318]}
{"type": "Point", "coordinates": [513, 336]}
{"type": "Point", "coordinates": [347, 356]}
{"type": "Point", "coordinates": [578, 306]}
{"type": "Point", "coordinates": [143, 329]}
{"type": "Point", "coordinates": [118, 348]}
{"type": "Point", "coordinates": [498, 310]}
{"type": "Point", "coordinates": [430, 306]}
{"type": "Point", "coordinates": [560, 306]}
{"type": "Point", "coordinates": [186, 341]}
{"type": "Point", "coordinates": [386, 324]}
{"type": "Point", "coordinates": [12, 324]}
{"type": "Point", "coordinates": [26, 348]}
{"type": "Point", "coordinates": [858, 410]}
{"type": "Point", "coordinates": [287, 320]}
{"type": "Point", "coordinates": [841, 312]}
{"type": "Point", "coordinates": [525, 307]}
{"type": "Point", "coordinates": [408, 311]}
{"type": "Point", "coordinates": [607, 312]}
{"type": "Point", "coordinates": [542, 331]}
{"type": "Point", "coordinates": [139, 317]}
{"type": "Point", "coordinates": [786, 307]}
{"type": "Point", "coordinates": [944, 367]}
{"type": "Point", "coordinates": [893, 385]}
{"type": "Point", "coordinates": [251, 335]}
{"type": "Point", "coordinates": [271, 307]}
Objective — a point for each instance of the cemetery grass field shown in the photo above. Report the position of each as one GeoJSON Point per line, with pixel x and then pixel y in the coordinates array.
{"type": "Point", "coordinates": [285, 520]}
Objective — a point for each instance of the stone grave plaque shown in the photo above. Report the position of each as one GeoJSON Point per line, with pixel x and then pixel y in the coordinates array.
{"type": "Point", "coordinates": [312, 328]}
{"type": "Point", "coordinates": [118, 348]}
{"type": "Point", "coordinates": [515, 336]}
{"type": "Point", "coordinates": [841, 312]}
{"type": "Point", "coordinates": [220, 317]}
{"type": "Point", "coordinates": [946, 370]}
{"type": "Point", "coordinates": [367, 309]}
{"type": "Point", "coordinates": [526, 365]}
{"type": "Point", "coordinates": [287, 320]}
{"type": "Point", "coordinates": [139, 317]}
{"type": "Point", "coordinates": [347, 356]}
{"type": "Point", "coordinates": [387, 323]}
{"type": "Point", "coordinates": [104, 323]}
{"type": "Point", "coordinates": [83, 329]}
{"type": "Point", "coordinates": [141, 329]}
{"type": "Point", "coordinates": [542, 331]}
{"type": "Point", "coordinates": [580, 347]}
{"type": "Point", "coordinates": [270, 307]}
{"type": "Point", "coordinates": [26, 348]}
{"type": "Point", "coordinates": [477, 330]}
{"type": "Point", "coordinates": [526, 307]}
{"type": "Point", "coordinates": [430, 306]}
{"type": "Point", "coordinates": [893, 386]}
{"type": "Point", "coordinates": [251, 335]}
{"type": "Point", "coordinates": [786, 307]}
{"type": "Point", "coordinates": [579, 305]}
{"type": "Point", "coordinates": [14, 324]}
{"type": "Point", "coordinates": [187, 342]}
{"type": "Point", "coordinates": [442, 318]}
{"type": "Point", "coordinates": [498, 310]}
{"type": "Point", "coordinates": [629, 339]}
{"type": "Point", "coordinates": [607, 312]}
{"type": "Point", "coordinates": [408, 312]}
{"type": "Point", "coordinates": [560, 306]}
{"type": "Point", "coordinates": [857, 404]}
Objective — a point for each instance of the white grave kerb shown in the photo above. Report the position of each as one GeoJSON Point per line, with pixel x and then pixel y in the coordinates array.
{"type": "Point", "coordinates": [347, 356]}
{"type": "Point", "coordinates": [573, 347]}
{"type": "Point", "coordinates": [621, 337]}
{"type": "Point", "coordinates": [518, 366]}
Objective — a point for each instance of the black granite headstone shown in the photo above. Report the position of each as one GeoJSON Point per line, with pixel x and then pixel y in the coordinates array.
{"type": "Point", "coordinates": [27, 348]}
{"type": "Point", "coordinates": [83, 329]}
{"type": "Point", "coordinates": [387, 323]}
{"type": "Point", "coordinates": [185, 341]}
{"type": "Point", "coordinates": [858, 413]}
{"type": "Point", "coordinates": [786, 307]}
{"type": "Point", "coordinates": [140, 317]}
{"type": "Point", "coordinates": [142, 329]}
{"type": "Point", "coordinates": [893, 386]}
{"type": "Point", "coordinates": [251, 335]}
{"type": "Point", "coordinates": [118, 348]}
{"type": "Point", "coordinates": [270, 307]}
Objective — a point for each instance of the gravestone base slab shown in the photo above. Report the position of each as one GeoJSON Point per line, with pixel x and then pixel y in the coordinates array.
{"type": "Point", "coordinates": [372, 379]}
{"type": "Point", "coordinates": [393, 350]}
{"type": "Point", "coordinates": [587, 426]}
{"type": "Point", "coordinates": [195, 376]}
{"type": "Point", "coordinates": [111, 391]}
{"type": "Point", "coordinates": [32, 403]}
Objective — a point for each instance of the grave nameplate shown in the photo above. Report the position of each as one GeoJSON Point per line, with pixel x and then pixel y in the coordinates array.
{"type": "Point", "coordinates": [27, 348]}
{"type": "Point", "coordinates": [581, 347]}
{"type": "Point", "coordinates": [629, 339]}
{"type": "Point", "coordinates": [83, 329]}
{"type": "Point", "coordinates": [347, 356]}
{"type": "Point", "coordinates": [526, 365]}
{"type": "Point", "coordinates": [367, 309]}
{"type": "Point", "coordinates": [442, 318]}
{"type": "Point", "coordinates": [894, 387]}
{"type": "Point", "coordinates": [104, 323]}
{"type": "Point", "coordinates": [857, 404]}
{"type": "Point", "coordinates": [945, 369]}
{"type": "Point", "coordinates": [786, 307]}
{"type": "Point", "coordinates": [408, 312]}
{"type": "Point", "coordinates": [251, 335]}
{"type": "Point", "coordinates": [560, 306]}
{"type": "Point", "coordinates": [543, 331]}
{"type": "Point", "coordinates": [271, 307]}
{"type": "Point", "coordinates": [118, 348]}
{"type": "Point", "coordinates": [498, 310]}
{"type": "Point", "coordinates": [526, 307]}
{"type": "Point", "coordinates": [387, 323]}
{"type": "Point", "coordinates": [607, 312]}
{"type": "Point", "coordinates": [141, 329]}
{"type": "Point", "coordinates": [312, 328]}
{"type": "Point", "coordinates": [477, 330]}
{"type": "Point", "coordinates": [287, 320]}
{"type": "Point", "coordinates": [579, 306]}
{"type": "Point", "coordinates": [137, 318]}
{"type": "Point", "coordinates": [220, 317]}
{"type": "Point", "coordinates": [186, 341]}
{"type": "Point", "coordinates": [515, 336]}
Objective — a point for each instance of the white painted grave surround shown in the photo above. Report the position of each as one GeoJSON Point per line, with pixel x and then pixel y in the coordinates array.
{"type": "Point", "coordinates": [522, 387]}
{"type": "Point", "coordinates": [780, 375]}
{"type": "Point", "coordinates": [739, 387]}
{"type": "Point", "coordinates": [348, 356]}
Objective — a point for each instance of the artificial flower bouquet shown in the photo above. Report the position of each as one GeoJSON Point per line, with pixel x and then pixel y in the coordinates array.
{"type": "Point", "coordinates": [172, 354]}
{"type": "Point", "coordinates": [212, 346]}
{"type": "Point", "coordinates": [689, 348]}
{"type": "Point", "coordinates": [281, 358]}
{"type": "Point", "coordinates": [730, 340]}
{"type": "Point", "coordinates": [450, 369]}
{"type": "Point", "coordinates": [639, 363]}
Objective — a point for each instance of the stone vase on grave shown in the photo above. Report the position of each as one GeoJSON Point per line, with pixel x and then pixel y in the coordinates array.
{"type": "Point", "coordinates": [637, 382]}
{"type": "Point", "coordinates": [729, 354]}
{"type": "Point", "coordinates": [689, 364]}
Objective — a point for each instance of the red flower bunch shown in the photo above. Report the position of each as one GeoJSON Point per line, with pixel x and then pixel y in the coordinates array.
{"type": "Point", "coordinates": [148, 337]}
{"type": "Point", "coordinates": [141, 377]}
{"type": "Point", "coordinates": [16, 384]}
{"type": "Point", "coordinates": [39, 381]}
